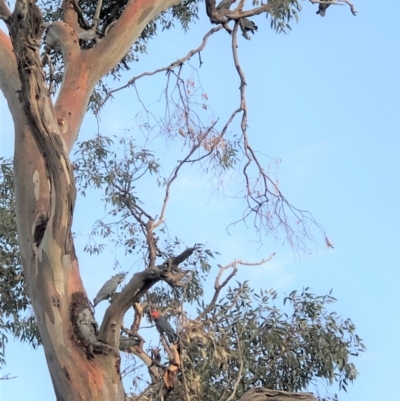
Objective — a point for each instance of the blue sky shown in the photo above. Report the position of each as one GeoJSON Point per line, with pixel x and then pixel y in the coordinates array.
{"type": "Point", "coordinates": [325, 100]}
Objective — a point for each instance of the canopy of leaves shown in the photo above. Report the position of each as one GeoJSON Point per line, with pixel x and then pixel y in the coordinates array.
{"type": "Point", "coordinates": [246, 341]}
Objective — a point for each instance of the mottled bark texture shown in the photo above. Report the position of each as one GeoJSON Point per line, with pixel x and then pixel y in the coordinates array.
{"type": "Point", "coordinates": [81, 367]}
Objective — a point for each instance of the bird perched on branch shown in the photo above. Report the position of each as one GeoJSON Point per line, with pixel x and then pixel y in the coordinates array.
{"type": "Point", "coordinates": [163, 326]}
{"type": "Point", "coordinates": [245, 23]}
{"type": "Point", "coordinates": [248, 25]}
{"type": "Point", "coordinates": [109, 288]}
{"type": "Point", "coordinates": [225, 4]}
{"type": "Point", "coordinates": [322, 8]}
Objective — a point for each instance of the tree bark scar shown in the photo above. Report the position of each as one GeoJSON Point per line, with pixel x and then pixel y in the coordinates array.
{"type": "Point", "coordinates": [40, 228]}
{"type": "Point", "coordinates": [82, 322]}
{"type": "Point", "coordinates": [145, 13]}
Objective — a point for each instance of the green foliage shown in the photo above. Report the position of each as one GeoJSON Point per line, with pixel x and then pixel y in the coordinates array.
{"type": "Point", "coordinates": [16, 316]}
{"type": "Point", "coordinates": [244, 336]}
{"type": "Point", "coordinates": [184, 14]}
{"type": "Point", "coordinates": [247, 337]}
{"type": "Point", "coordinates": [282, 13]}
{"type": "Point", "coordinates": [245, 333]}
{"type": "Point", "coordinates": [244, 339]}
{"type": "Point", "coordinates": [114, 172]}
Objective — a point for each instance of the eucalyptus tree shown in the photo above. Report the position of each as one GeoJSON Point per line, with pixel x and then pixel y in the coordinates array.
{"type": "Point", "coordinates": [52, 65]}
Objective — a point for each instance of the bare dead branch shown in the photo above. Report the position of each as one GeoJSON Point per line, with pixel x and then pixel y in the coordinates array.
{"type": "Point", "coordinates": [337, 3]}
{"type": "Point", "coordinates": [265, 202]}
{"type": "Point", "coordinates": [170, 67]}
{"type": "Point", "coordinates": [174, 175]}
{"type": "Point", "coordinates": [218, 286]}
{"type": "Point", "coordinates": [224, 15]}
{"type": "Point", "coordinates": [7, 377]}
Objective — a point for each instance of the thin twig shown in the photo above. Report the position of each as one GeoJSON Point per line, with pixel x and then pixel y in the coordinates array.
{"type": "Point", "coordinates": [174, 175]}
{"type": "Point", "coordinates": [337, 3]}
{"type": "Point", "coordinates": [218, 286]}
{"type": "Point", "coordinates": [96, 15]}
{"type": "Point", "coordinates": [171, 67]}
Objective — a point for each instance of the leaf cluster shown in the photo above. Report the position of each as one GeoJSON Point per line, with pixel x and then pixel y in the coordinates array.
{"type": "Point", "coordinates": [114, 171]}
{"type": "Point", "coordinates": [246, 339]}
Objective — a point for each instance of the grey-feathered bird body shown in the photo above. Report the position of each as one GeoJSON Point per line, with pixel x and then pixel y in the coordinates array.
{"type": "Point", "coordinates": [225, 4]}
{"type": "Point", "coordinates": [109, 288]}
{"type": "Point", "coordinates": [322, 8]}
{"type": "Point", "coordinates": [248, 25]}
{"type": "Point", "coordinates": [163, 326]}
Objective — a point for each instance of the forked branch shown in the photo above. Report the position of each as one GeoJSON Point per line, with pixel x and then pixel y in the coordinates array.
{"type": "Point", "coordinates": [174, 174]}
{"type": "Point", "coordinates": [218, 286]}
{"type": "Point", "coordinates": [337, 3]}
{"type": "Point", "coordinates": [139, 284]}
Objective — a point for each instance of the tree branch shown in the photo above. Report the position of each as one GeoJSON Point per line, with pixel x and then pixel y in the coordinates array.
{"type": "Point", "coordinates": [128, 345]}
{"type": "Point", "coordinates": [223, 15]}
{"type": "Point", "coordinates": [70, 15]}
{"type": "Point", "coordinates": [10, 83]}
{"type": "Point", "coordinates": [75, 90]}
{"type": "Point", "coordinates": [174, 175]}
{"type": "Point", "coordinates": [139, 284]}
{"type": "Point", "coordinates": [170, 67]}
{"type": "Point", "coordinates": [59, 38]}
{"type": "Point", "coordinates": [218, 287]}
{"type": "Point", "coordinates": [337, 3]}
{"type": "Point", "coordinates": [137, 14]}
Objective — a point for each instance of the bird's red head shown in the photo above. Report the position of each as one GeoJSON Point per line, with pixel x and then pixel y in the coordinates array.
{"type": "Point", "coordinates": [155, 314]}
